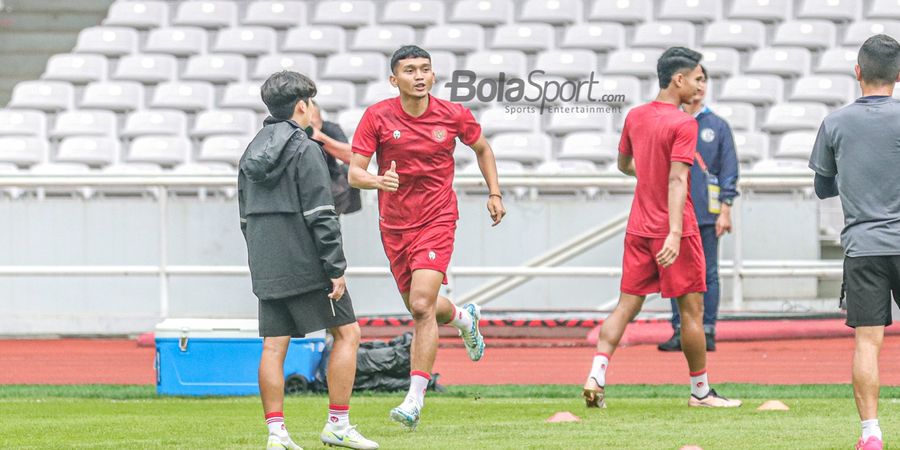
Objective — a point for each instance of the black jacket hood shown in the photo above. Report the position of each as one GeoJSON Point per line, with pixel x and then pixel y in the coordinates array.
{"type": "Point", "coordinates": [265, 159]}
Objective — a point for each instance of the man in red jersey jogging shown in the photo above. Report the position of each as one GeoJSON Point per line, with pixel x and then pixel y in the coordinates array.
{"type": "Point", "coordinates": [663, 251]}
{"type": "Point", "coordinates": [413, 137]}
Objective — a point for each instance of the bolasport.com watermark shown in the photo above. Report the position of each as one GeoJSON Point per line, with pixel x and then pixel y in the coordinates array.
{"type": "Point", "coordinates": [535, 93]}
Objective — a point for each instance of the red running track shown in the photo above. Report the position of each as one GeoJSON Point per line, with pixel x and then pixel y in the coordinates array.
{"type": "Point", "coordinates": [89, 361]}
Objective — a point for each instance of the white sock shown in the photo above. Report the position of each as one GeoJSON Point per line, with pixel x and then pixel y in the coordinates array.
{"type": "Point", "coordinates": [461, 319]}
{"type": "Point", "coordinates": [275, 422]}
{"type": "Point", "coordinates": [699, 384]}
{"type": "Point", "coordinates": [598, 368]}
{"type": "Point", "coordinates": [418, 383]}
{"type": "Point", "coordinates": [870, 428]}
{"type": "Point", "coordinates": [339, 415]}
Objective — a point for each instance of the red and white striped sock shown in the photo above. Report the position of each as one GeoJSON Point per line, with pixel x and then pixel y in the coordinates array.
{"type": "Point", "coordinates": [418, 383]}
{"type": "Point", "coordinates": [699, 384]}
{"type": "Point", "coordinates": [339, 415]}
{"type": "Point", "coordinates": [598, 368]}
{"type": "Point", "coordinates": [275, 422]}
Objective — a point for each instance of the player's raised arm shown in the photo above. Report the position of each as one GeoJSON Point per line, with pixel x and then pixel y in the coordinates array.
{"type": "Point", "coordinates": [488, 166]}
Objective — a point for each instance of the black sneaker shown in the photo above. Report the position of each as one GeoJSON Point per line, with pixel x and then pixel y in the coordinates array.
{"type": "Point", "coordinates": [710, 342]}
{"type": "Point", "coordinates": [672, 345]}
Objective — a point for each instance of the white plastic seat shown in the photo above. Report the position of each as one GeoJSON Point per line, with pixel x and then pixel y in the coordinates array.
{"type": "Point", "coordinates": [568, 63]}
{"type": "Point", "coordinates": [664, 34]}
{"type": "Point", "coordinates": [591, 146]}
{"type": "Point", "coordinates": [528, 148]}
{"type": "Point", "coordinates": [383, 38]}
{"type": "Point", "coordinates": [784, 61]}
{"type": "Point", "coordinates": [147, 68]}
{"type": "Point", "coordinates": [418, 13]}
{"type": "Point", "coordinates": [740, 116]}
{"type": "Point", "coordinates": [576, 120]}
{"type": "Point", "coordinates": [462, 38]}
{"type": "Point", "coordinates": [224, 148]}
{"type": "Point", "coordinates": [206, 14]}
{"type": "Point", "coordinates": [243, 96]}
{"type": "Point", "coordinates": [594, 36]}
{"type": "Point", "coordinates": [825, 89]}
{"type": "Point", "coordinates": [133, 168]}
{"type": "Point", "coordinates": [42, 95]}
{"type": "Point", "coordinates": [362, 66]}
{"type": "Point", "coordinates": [249, 41]}
{"type": "Point", "coordinates": [566, 167]}
{"type": "Point", "coordinates": [377, 91]}
{"type": "Point", "coordinates": [178, 41]}
{"type": "Point", "coordinates": [138, 14]}
{"type": "Point", "coordinates": [504, 167]}
{"type": "Point", "coordinates": [527, 37]}
{"type": "Point", "coordinates": [22, 123]}
{"type": "Point", "coordinates": [691, 10]}
{"type": "Point", "coordinates": [721, 61]}
{"type": "Point", "coordinates": [162, 150]}
{"type": "Point", "coordinates": [780, 167]}
{"type": "Point", "coordinates": [224, 121]}
{"type": "Point", "coordinates": [443, 64]}
{"type": "Point", "coordinates": [109, 41]}
{"type": "Point", "coordinates": [622, 11]}
{"type": "Point", "coordinates": [113, 95]}
{"type": "Point", "coordinates": [297, 62]}
{"type": "Point", "coordinates": [794, 116]}
{"type": "Point", "coordinates": [349, 119]}
{"type": "Point", "coordinates": [884, 9]}
{"type": "Point", "coordinates": [751, 146]}
{"type": "Point", "coordinates": [489, 63]}
{"type": "Point", "coordinates": [215, 68]}
{"type": "Point", "coordinates": [23, 150]}
{"type": "Point", "coordinates": [796, 145]}
{"type": "Point", "coordinates": [625, 85]}
{"type": "Point", "coordinates": [275, 14]}
{"type": "Point", "coordinates": [811, 34]}
{"type": "Point", "coordinates": [637, 62]}
{"type": "Point", "coordinates": [765, 10]}
{"type": "Point", "coordinates": [554, 12]}
{"type": "Point", "coordinates": [183, 95]}
{"type": "Point", "coordinates": [482, 12]}
{"type": "Point", "coordinates": [60, 169]}
{"type": "Point", "coordinates": [737, 34]}
{"type": "Point", "coordinates": [84, 123]}
{"type": "Point", "coordinates": [755, 89]}
{"type": "Point", "coordinates": [317, 40]}
{"type": "Point", "coordinates": [76, 68]}
{"type": "Point", "coordinates": [335, 94]}
{"type": "Point", "coordinates": [833, 10]}
{"type": "Point", "coordinates": [90, 150]}
{"type": "Point", "coordinates": [497, 120]}
{"type": "Point", "coordinates": [163, 122]}
{"type": "Point", "coordinates": [344, 13]}
{"type": "Point", "coordinates": [837, 61]}
{"type": "Point", "coordinates": [858, 32]}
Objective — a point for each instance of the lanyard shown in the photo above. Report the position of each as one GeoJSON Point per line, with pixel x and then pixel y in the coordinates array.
{"type": "Point", "coordinates": [701, 162]}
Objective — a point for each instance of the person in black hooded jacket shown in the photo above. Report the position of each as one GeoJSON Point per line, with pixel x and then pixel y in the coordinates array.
{"type": "Point", "coordinates": [296, 257]}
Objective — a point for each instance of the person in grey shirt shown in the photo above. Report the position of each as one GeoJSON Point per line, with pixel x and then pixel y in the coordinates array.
{"type": "Point", "coordinates": [856, 155]}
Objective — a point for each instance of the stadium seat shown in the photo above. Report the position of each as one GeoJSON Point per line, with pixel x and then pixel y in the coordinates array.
{"type": "Point", "coordinates": [663, 34]}
{"type": "Point", "coordinates": [418, 13]}
{"type": "Point", "coordinates": [811, 34]}
{"type": "Point", "coordinates": [347, 14]}
{"type": "Point", "coordinates": [243, 96]}
{"type": "Point", "coordinates": [298, 62]}
{"type": "Point", "coordinates": [482, 12]}
{"type": "Point", "coordinates": [691, 10]}
{"type": "Point", "coordinates": [23, 150]}
{"type": "Point", "coordinates": [838, 89]}
{"type": "Point", "coordinates": [162, 150]}
{"type": "Point", "coordinates": [275, 14]}
{"type": "Point", "coordinates": [108, 41]}
{"type": "Point", "coordinates": [361, 66]}
{"type": "Point", "coordinates": [183, 95]}
{"type": "Point", "coordinates": [23, 123]}
{"type": "Point", "coordinates": [837, 61]}
{"type": "Point", "coordinates": [85, 123]}
{"type": "Point", "coordinates": [215, 68]}
{"type": "Point", "coordinates": [566, 167]}
{"type": "Point", "coordinates": [755, 89]}
{"type": "Point", "coordinates": [740, 116]}
{"type": "Point", "coordinates": [377, 91]}
{"type": "Point", "coordinates": [443, 64]}
{"type": "Point", "coordinates": [784, 61]}
{"type": "Point", "coordinates": [568, 63]}
{"type": "Point", "coordinates": [61, 169]}
{"type": "Point", "coordinates": [76, 68]}
{"type": "Point", "coordinates": [564, 122]}
{"type": "Point", "coordinates": [146, 68]}
{"type": "Point", "coordinates": [591, 146]}
{"type": "Point", "coordinates": [750, 146]}
{"type": "Point", "coordinates": [554, 12]}
{"type": "Point", "coordinates": [335, 94]}
{"type": "Point", "coordinates": [532, 37]}
{"type": "Point", "coordinates": [858, 32]}
{"type": "Point", "coordinates": [178, 41]}
{"type": "Point", "coordinates": [383, 38]}
{"type": "Point", "coordinates": [721, 62]}
{"type": "Point", "coordinates": [628, 86]}
{"type": "Point", "coordinates": [780, 167]}
{"type": "Point", "coordinates": [737, 34]}
{"type": "Point", "coordinates": [488, 63]}
{"type": "Point", "coordinates": [765, 10]}
{"type": "Point", "coordinates": [224, 121]}
{"type": "Point", "coordinates": [317, 40]}
{"type": "Point", "coordinates": [794, 116]}
{"type": "Point", "coordinates": [594, 36]}
{"type": "Point", "coordinates": [636, 62]}
{"type": "Point", "coordinates": [528, 148]}
{"type": "Point", "coordinates": [349, 119]}
{"type": "Point", "coordinates": [89, 150]}
{"type": "Point", "coordinates": [113, 95]}
{"type": "Point", "coordinates": [504, 167]}
{"type": "Point", "coordinates": [884, 9]}
{"type": "Point", "coordinates": [833, 10]}
{"type": "Point", "coordinates": [796, 145]}
{"type": "Point", "coordinates": [462, 154]}
{"type": "Point", "coordinates": [207, 14]}
{"type": "Point", "coordinates": [461, 38]}
{"type": "Point", "coordinates": [42, 95]}
{"type": "Point", "coordinates": [161, 122]}
{"type": "Point", "coordinates": [248, 41]}
{"type": "Point", "coordinates": [209, 168]}
{"type": "Point", "coordinates": [622, 11]}
{"type": "Point", "coordinates": [138, 14]}
{"type": "Point", "coordinates": [497, 119]}
{"type": "Point", "coordinates": [224, 148]}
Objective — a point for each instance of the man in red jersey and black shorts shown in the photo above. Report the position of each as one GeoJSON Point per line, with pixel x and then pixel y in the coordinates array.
{"type": "Point", "coordinates": [663, 250]}
{"type": "Point", "coordinates": [413, 137]}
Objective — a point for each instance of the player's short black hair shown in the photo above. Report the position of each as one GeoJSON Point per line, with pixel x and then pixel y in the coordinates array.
{"type": "Point", "coordinates": [407, 52]}
{"type": "Point", "coordinates": [282, 90]}
{"type": "Point", "coordinates": [674, 60]}
{"type": "Point", "coordinates": [879, 60]}
{"type": "Point", "coordinates": [705, 75]}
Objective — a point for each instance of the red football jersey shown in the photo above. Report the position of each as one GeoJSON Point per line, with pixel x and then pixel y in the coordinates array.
{"type": "Point", "coordinates": [656, 134]}
{"type": "Point", "coordinates": [423, 149]}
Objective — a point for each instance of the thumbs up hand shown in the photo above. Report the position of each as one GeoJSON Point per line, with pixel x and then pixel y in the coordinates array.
{"type": "Point", "coordinates": [390, 181]}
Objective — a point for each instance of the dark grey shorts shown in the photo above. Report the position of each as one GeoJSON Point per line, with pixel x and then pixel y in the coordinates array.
{"type": "Point", "coordinates": [869, 282]}
{"type": "Point", "coordinates": [302, 314]}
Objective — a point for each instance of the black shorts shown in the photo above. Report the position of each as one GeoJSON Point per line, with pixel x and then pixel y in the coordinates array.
{"type": "Point", "coordinates": [869, 282]}
{"type": "Point", "coordinates": [296, 316]}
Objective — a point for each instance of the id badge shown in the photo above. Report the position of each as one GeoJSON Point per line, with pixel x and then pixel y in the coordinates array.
{"type": "Point", "coordinates": [712, 185]}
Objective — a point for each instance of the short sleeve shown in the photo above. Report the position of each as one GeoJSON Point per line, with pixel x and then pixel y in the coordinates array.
{"type": "Point", "coordinates": [822, 158]}
{"type": "Point", "coordinates": [469, 128]}
{"type": "Point", "coordinates": [685, 143]}
{"type": "Point", "coordinates": [365, 139]}
{"type": "Point", "coordinates": [625, 141]}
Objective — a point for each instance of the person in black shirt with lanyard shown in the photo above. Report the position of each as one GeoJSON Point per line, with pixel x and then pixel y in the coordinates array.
{"type": "Point", "coordinates": [334, 142]}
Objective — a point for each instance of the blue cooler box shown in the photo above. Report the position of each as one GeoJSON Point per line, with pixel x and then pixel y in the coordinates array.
{"type": "Point", "coordinates": [221, 357]}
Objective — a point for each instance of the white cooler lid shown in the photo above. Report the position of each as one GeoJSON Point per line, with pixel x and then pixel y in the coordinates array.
{"type": "Point", "coordinates": [214, 328]}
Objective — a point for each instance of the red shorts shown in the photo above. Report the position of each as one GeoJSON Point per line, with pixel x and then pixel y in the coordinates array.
{"type": "Point", "coordinates": [641, 275]}
{"type": "Point", "coordinates": [428, 247]}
